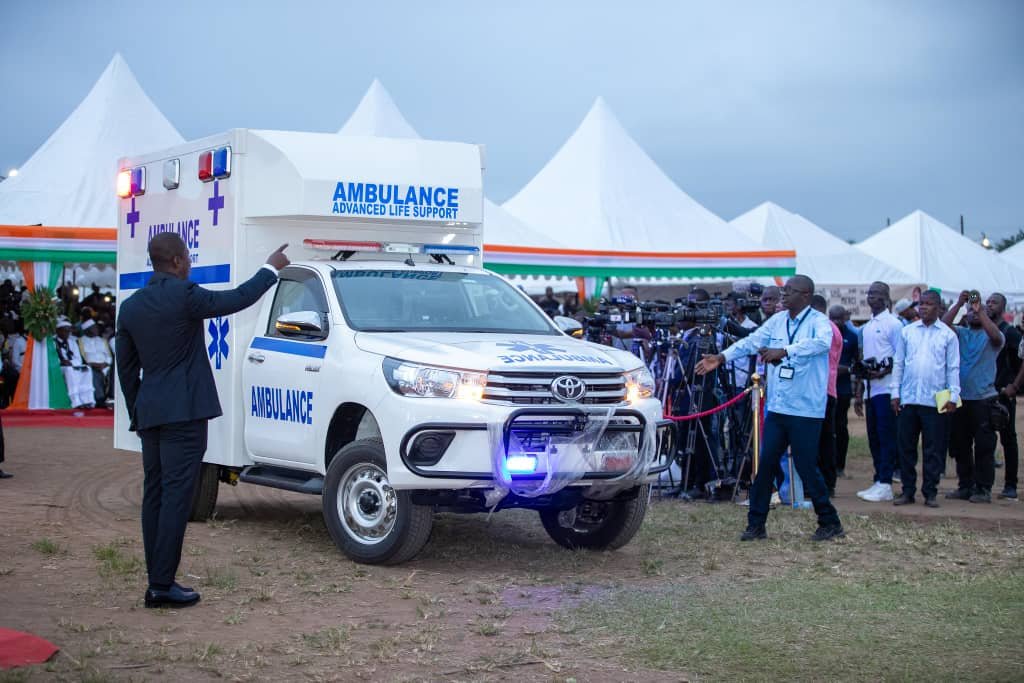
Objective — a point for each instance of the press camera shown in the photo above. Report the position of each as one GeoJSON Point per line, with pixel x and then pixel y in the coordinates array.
{"type": "Point", "coordinates": [863, 368]}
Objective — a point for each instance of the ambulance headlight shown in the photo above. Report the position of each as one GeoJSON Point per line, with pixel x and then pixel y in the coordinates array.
{"type": "Point", "coordinates": [425, 381]}
{"type": "Point", "coordinates": [639, 385]}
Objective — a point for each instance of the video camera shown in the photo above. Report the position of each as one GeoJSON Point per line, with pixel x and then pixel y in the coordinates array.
{"type": "Point", "coordinates": [861, 368]}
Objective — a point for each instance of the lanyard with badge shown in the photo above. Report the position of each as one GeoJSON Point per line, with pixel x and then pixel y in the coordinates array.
{"type": "Point", "coordinates": [787, 371]}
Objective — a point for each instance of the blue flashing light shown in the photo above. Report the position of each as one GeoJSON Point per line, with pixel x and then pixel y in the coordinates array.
{"type": "Point", "coordinates": [521, 464]}
{"type": "Point", "coordinates": [449, 249]}
{"type": "Point", "coordinates": [138, 181]}
{"type": "Point", "coordinates": [222, 162]}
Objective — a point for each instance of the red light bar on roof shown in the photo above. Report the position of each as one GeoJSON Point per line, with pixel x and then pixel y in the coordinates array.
{"type": "Point", "coordinates": [342, 245]}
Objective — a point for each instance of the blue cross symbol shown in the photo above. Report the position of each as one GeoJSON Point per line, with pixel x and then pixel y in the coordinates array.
{"type": "Point", "coordinates": [521, 347]}
{"type": "Point", "coordinates": [218, 348]}
{"type": "Point", "coordinates": [216, 202]}
{"type": "Point", "coordinates": [133, 217]}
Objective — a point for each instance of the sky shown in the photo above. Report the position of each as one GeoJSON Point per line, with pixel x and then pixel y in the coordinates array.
{"type": "Point", "coordinates": [849, 112]}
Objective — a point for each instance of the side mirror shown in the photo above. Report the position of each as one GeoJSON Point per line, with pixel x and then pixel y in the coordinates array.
{"type": "Point", "coordinates": [568, 325]}
{"type": "Point", "coordinates": [300, 324]}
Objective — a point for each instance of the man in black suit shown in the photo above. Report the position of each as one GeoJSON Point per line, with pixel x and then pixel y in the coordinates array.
{"type": "Point", "coordinates": [169, 390]}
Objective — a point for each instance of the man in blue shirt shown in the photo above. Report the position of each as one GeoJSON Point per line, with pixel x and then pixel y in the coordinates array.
{"type": "Point", "coordinates": [794, 345]}
{"type": "Point", "coordinates": [972, 438]}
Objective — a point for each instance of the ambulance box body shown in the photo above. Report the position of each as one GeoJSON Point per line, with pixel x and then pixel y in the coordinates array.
{"type": "Point", "coordinates": [386, 370]}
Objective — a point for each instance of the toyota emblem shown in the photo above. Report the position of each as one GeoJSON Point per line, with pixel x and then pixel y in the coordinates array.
{"type": "Point", "coordinates": [568, 389]}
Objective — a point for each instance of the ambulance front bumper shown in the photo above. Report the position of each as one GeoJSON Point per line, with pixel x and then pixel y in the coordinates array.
{"type": "Point", "coordinates": [452, 453]}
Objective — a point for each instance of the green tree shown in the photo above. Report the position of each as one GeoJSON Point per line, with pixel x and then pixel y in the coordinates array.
{"type": "Point", "coordinates": [1007, 242]}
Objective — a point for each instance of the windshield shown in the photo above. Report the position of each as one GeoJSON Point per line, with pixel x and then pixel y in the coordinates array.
{"type": "Point", "coordinates": [409, 300]}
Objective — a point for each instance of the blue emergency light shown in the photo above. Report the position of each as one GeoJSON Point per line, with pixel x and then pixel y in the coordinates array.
{"type": "Point", "coordinates": [521, 464]}
{"type": "Point", "coordinates": [222, 162]}
{"type": "Point", "coordinates": [449, 249]}
{"type": "Point", "coordinates": [138, 181]}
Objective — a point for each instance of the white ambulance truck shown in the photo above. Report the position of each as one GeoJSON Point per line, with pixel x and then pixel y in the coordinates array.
{"type": "Point", "coordinates": [387, 371]}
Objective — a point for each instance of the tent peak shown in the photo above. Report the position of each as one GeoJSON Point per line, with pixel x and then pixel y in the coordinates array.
{"type": "Point", "coordinates": [602, 190]}
{"type": "Point", "coordinates": [67, 180]}
{"type": "Point", "coordinates": [377, 115]}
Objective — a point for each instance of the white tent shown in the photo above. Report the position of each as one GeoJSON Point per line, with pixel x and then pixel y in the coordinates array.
{"type": "Point", "coordinates": [69, 181]}
{"type": "Point", "coordinates": [602, 191]}
{"type": "Point", "coordinates": [937, 255]}
{"type": "Point", "coordinates": [1014, 255]}
{"type": "Point", "coordinates": [377, 115]}
{"type": "Point", "coordinates": [820, 255]}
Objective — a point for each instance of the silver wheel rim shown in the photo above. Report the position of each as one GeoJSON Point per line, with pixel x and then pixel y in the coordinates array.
{"type": "Point", "coordinates": [367, 505]}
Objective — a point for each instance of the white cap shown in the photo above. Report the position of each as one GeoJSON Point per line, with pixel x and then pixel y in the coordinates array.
{"type": "Point", "coordinates": [902, 305]}
{"type": "Point", "coordinates": [63, 322]}
{"type": "Point", "coordinates": [87, 324]}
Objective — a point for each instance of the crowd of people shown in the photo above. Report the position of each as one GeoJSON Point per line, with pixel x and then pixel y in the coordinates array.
{"type": "Point", "coordinates": [83, 340]}
{"type": "Point", "coordinates": [925, 375]}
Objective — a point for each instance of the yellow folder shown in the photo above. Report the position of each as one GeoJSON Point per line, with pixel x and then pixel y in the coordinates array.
{"type": "Point", "coordinates": [942, 398]}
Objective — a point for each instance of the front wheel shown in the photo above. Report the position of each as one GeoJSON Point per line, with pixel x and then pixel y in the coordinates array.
{"type": "Point", "coordinates": [369, 520]}
{"type": "Point", "coordinates": [597, 525]}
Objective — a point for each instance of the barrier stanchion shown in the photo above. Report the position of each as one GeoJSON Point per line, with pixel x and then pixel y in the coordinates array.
{"type": "Point", "coordinates": [755, 402]}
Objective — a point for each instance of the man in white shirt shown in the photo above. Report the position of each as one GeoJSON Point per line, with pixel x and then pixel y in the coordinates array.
{"type": "Point", "coordinates": [98, 357]}
{"type": "Point", "coordinates": [881, 336]}
{"type": "Point", "coordinates": [927, 361]}
{"type": "Point", "coordinates": [76, 372]}
{"type": "Point", "coordinates": [795, 345]}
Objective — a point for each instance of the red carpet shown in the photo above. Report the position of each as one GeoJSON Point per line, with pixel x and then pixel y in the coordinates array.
{"type": "Point", "coordinates": [19, 649]}
{"type": "Point", "coordinates": [94, 418]}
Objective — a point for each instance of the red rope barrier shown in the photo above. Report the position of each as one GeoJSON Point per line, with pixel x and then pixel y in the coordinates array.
{"type": "Point", "coordinates": [712, 411]}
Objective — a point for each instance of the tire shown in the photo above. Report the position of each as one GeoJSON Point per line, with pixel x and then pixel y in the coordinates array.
{"type": "Point", "coordinates": [598, 525]}
{"type": "Point", "coordinates": [204, 498]}
{"type": "Point", "coordinates": [368, 520]}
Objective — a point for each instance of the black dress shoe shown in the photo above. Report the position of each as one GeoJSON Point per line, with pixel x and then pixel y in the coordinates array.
{"type": "Point", "coordinates": [827, 533]}
{"type": "Point", "coordinates": [173, 597]}
{"type": "Point", "coordinates": [1007, 492]}
{"type": "Point", "coordinates": [754, 533]}
{"type": "Point", "coordinates": [5, 475]}
{"type": "Point", "coordinates": [930, 501]}
{"type": "Point", "coordinates": [904, 499]}
{"type": "Point", "coordinates": [981, 497]}
{"type": "Point", "coordinates": [959, 494]}
{"type": "Point", "coordinates": [187, 589]}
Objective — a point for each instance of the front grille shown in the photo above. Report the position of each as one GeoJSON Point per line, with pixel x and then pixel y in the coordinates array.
{"type": "Point", "coordinates": [534, 388]}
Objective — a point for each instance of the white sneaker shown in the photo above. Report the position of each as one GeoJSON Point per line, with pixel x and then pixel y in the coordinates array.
{"type": "Point", "coordinates": [884, 492]}
{"type": "Point", "coordinates": [868, 491]}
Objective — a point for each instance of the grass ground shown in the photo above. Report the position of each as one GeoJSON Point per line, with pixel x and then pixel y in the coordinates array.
{"type": "Point", "coordinates": [901, 598]}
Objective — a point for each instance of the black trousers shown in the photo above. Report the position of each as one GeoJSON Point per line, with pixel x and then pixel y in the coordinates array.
{"type": "Point", "coordinates": [972, 443]}
{"type": "Point", "coordinates": [171, 457]}
{"type": "Point", "coordinates": [842, 430]}
{"type": "Point", "coordinates": [800, 435]}
{"type": "Point", "coordinates": [827, 445]}
{"type": "Point", "coordinates": [99, 387]}
{"type": "Point", "coordinates": [928, 424]}
{"type": "Point", "coordinates": [1008, 437]}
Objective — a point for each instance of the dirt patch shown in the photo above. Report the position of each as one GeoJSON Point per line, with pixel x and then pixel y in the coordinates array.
{"type": "Point", "coordinates": [280, 602]}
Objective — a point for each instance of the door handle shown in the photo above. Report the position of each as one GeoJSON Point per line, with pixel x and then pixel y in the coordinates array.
{"type": "Point", "coordinates": [256, 357]}
{"type": "Point", "coordinates": [312, 368]}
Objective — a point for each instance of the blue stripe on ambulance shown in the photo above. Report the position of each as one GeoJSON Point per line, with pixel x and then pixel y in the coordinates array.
{"type": "Point", "coordinates": [201, 275]}
{"type": "Point", "coordinates": [289, 347]}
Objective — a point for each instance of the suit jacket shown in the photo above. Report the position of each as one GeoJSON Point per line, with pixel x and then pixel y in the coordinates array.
{"type": "Point", "coordinates": [160, 332]}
